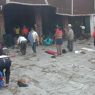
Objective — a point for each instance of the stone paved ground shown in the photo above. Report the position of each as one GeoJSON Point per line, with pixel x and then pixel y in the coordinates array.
{"type": "Point", "coordinates": [69, 74]}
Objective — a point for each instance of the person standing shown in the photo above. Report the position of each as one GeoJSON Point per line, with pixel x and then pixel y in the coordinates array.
{"type": "Point", "coordinates": [94, 36]}
{"type": "Point", "coordinates": [17, 31]}
{"type": "Point", "coordinates": [83, 32]}
{"type": "Point", "coordinates": [34, 40]}
{"type": "Point", "coordinates": [22, 42]}
{"type": "Point", "coordinates": [58, 39]}
{"type": "Point", "coordinates": [70, 37]}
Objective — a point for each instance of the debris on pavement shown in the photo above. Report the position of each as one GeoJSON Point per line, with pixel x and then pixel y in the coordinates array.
{"type": "Point", "coordinates": [88, 49]}
{"type": "Point", "coordinates": [53, 56]}
{"type": "Point", "coordinates": [92, 60]}
{"type": "Point", "coordinates": [80, 52]}
{"type": "Point", "coordinates": [22, 83]}
{"type": "Point", "coordinates": [64, 51]}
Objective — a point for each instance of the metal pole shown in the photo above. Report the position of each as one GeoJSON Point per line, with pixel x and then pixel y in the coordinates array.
{"type": "Point", "coordinates": [94, 5]}
{"type": "Point", "coordinates": [72, 7]}
{"type": "Point", "coordinates": [7, 1]}
{"type": "Point", "coordinates": [46, 1]}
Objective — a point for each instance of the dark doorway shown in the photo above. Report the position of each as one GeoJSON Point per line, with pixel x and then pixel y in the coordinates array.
{"type": "Point", "coordinates": [77, 22]}
{"type": "Point", "coordinates": [16, 14]}
{"type": "Point", "coordinates": [48, 21]}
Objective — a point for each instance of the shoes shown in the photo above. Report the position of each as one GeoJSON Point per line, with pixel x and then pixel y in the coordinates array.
{"type": "Point", "coordinates": [6, 85]}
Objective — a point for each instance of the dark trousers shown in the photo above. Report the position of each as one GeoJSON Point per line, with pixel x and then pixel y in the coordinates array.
{"type": "Point", "coordinates": [5, 64]}
{"type": "Point", "coordinates": [23, 46]}
{"type": "Point", "coordinates": [70, 45]}
{"type": "Point", "coordinates": [34, 47]}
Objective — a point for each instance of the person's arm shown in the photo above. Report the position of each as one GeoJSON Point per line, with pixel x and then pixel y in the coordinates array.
{"type": "Point", "coordinates": [37, 37]}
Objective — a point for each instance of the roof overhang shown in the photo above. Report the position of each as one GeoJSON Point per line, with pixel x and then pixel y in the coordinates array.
{"type": "Point", "coordinates": [74, 14]}
{"type": "Point", "coordinates": [46, 4]}
{"type": "Point", "coordinates": [12, 2]}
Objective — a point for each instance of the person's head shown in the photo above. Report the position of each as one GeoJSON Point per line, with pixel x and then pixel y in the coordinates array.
{"type": "Point", "coordinates": [35, 25]}
{"type": "Point", "coordinates": [17, 26]}
{"type": "Point", "coordinates": [57, 26]}
{"type": "Point", "coordinates": [83, 27]}
{"type": "Point", "coordinates": [69, 25]}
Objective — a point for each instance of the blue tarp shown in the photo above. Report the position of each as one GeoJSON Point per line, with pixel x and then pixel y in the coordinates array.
{"type": "Point", "coordinates": [48, 41]}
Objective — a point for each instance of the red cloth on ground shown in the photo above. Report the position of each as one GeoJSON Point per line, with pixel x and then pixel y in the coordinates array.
{"type": "Point", "coordinates": [51, 52]}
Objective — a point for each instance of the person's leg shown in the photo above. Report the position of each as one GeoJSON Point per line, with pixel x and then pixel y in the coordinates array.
{"type": "Point", "coordinates": [34, 47]}
{"type": "Point", "coordinates": [68, 45]}
{"type": "Point", "coordinates": [20, 45]}
{"type": "Point", "coordinates": [23, 48]}
{"type": "Point", "coordinates": [7, 70]}
{"type": "Point", "coordinates": [60, 48]}
{"type": "Point", "coordinates": [71, 46]}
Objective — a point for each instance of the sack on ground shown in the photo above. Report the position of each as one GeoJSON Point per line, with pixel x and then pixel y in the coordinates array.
{"type": "Point", "coordinates": [64, 51]}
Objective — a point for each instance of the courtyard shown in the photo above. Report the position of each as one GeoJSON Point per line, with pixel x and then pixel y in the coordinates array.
{"type": "Point", "coordinates": [73, 73]}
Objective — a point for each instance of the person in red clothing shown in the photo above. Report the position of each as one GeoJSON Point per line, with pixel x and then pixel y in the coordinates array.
{"type": "Point", "coordinates": [58, 40]}
{"type": "Point", "coordinates": [94, 35]}
{"type": "Point", "coordinates": [25, 31]}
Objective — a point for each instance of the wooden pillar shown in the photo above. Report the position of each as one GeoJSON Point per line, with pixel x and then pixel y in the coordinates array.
{"type": "Point", "coordinates": [38, 25]}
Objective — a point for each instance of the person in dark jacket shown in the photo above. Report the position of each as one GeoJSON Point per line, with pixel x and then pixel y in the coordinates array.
{"type": "Point", "coordinates": [5, 64]}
